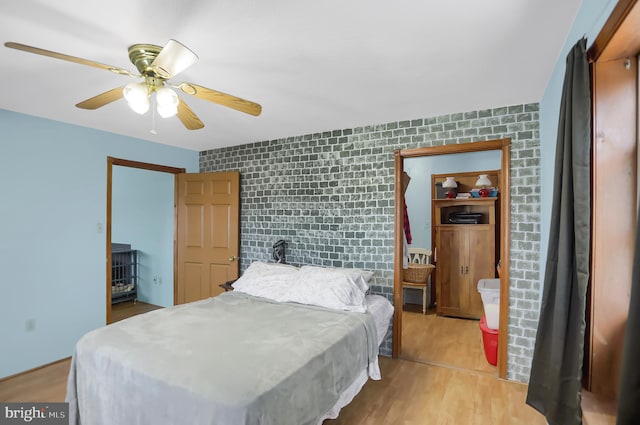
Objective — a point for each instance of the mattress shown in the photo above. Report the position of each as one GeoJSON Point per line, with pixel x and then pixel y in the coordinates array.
{"type": "Point", "coordinates": [200, 363]}
{"type": "Point", "coordinates": [382, 311]}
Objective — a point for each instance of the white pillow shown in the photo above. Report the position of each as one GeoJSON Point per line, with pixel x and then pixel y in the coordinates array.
{"type": "Point", "coordinates": [324, 287]}
{"type": "Point", "coordinates": [360, 277]}
{"type": "Point", "coordinates": [262, 279]}
{"type": "Point", "coordinates": [330, 289]}
{"type": "Point", "coordinates": [272, 268]}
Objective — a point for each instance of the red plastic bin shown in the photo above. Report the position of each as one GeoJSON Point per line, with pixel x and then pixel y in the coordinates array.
{"type": "Point", "coordinates": [490, 342]}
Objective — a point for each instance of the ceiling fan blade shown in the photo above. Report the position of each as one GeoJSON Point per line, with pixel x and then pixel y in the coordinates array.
{"type": "Point", "coordinates": [38, 51]}
{"type": "Point", "coordinates": [174, 58]}
{"type": "Point", "coordinates": [224, 99]}
{"type": "Point", "coordinates": [188, 117]}
{"type": "Point", "coordinates": [101, 99]}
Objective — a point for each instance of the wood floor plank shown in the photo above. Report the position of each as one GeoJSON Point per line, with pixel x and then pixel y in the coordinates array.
{"type": "Point", "coordinates": [443, 340]}
{"type": "Point", "coordinates": [127, 309]}
{"type": "Point", "coordinates": [47, 384]}
{"type": "Point", "coordinates": [414, 393]}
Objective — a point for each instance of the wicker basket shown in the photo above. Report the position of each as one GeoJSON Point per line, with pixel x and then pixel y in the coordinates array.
{"type": "Point", "coordinates": [417, 273]}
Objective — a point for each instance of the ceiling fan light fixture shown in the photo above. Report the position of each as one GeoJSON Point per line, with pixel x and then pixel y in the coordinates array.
{"type": "Point", "coordinates": [167, 101]}
{"type": "Point", "coordinates": [174, 58]}
{"type": "Point", "coordinates": [137, 96]}
{"type": "Point", "coordinates": [166, 97]}
{"type": "Point", "coordinates": [155, 65]}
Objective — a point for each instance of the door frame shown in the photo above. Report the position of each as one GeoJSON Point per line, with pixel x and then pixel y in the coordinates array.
{"type": "Point", "coordinates": [614, 156]}
{"type": "Point", "coordinates": [504, 187]}
{"type": "Point", "coordinates": [111, 161]}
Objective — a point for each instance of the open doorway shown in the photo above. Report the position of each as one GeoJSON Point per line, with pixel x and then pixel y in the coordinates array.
{"type": "Point", "coordinates": [131, 268]}
{"type": "Point", "coordinates": [502, 146]}
{"type": "Point", "coordinates": [447, 332]}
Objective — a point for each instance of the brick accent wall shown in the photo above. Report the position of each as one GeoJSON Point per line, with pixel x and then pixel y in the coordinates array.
{"type": "Point", "coordinates": [331, 196]}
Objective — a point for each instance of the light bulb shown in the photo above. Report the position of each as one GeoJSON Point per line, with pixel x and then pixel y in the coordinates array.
{"type": "Point", "coordinates": [137, 96]}
{"type": "Point", "coordinates": [166, 111]}
{"type": "Point", "coordinates": [166, 97]}
{"type": "Point", "coordinates": [167, 101]}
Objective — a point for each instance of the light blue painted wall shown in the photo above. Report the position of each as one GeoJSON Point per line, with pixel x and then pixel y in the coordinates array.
{"type": "Point", "coordinates": [52, 257]}
{"type": "Point", "coordinates": [588, 23]}
{"type": "Point", "coordinates": [143, 216]}
{"type": "Point", "coordinates": [418, 195]}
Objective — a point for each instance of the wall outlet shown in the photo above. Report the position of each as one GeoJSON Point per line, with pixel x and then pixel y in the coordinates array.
{"type": "Point", "coordinates": [157, 280]}
{"type": "Point", "coordinates": [30, 325]}
{"type": "Point", "coordinates": [99, 228]}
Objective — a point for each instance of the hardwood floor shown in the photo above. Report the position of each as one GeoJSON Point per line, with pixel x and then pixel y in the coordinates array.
{"type": "Point", "coordinates": [445, 341]}
{"type": "Point", "coordinates": [45, 384]}
{"type": "Point", "coordinates": [413, 393]}
{"type": "Point", "coordinates": [409, 393]}
{"type": "Point", "coordinates": [129, 308]}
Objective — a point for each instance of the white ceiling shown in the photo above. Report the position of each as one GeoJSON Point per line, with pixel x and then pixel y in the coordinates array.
{"type": "Point", "coordinates": [314, 66]}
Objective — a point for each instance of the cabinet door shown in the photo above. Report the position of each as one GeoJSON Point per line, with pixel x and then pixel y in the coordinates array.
{"type": "Point", "coordinates": [481, 264]}
{"type": "Point", "coordinates": [450, 270]}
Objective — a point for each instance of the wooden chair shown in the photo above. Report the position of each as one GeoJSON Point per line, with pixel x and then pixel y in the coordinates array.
{"type": "Point", "coordinates": [420, 256]}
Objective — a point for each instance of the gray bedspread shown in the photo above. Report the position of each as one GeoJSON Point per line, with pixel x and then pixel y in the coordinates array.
{"type": "Point", "coordinates": [229, 360]}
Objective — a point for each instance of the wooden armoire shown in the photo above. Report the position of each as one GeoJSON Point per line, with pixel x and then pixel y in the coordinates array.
{"type": "Point", "coordinates": [466, 245]}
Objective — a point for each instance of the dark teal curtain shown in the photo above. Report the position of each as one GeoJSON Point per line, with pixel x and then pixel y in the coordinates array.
{"type": "Point", "coordinates": [629, 391]}
{"type": "Point", "coordinates": [556, 369]}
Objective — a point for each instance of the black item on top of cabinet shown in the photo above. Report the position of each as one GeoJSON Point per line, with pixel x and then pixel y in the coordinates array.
{"type": "Point", "coordinates": [464, 218]}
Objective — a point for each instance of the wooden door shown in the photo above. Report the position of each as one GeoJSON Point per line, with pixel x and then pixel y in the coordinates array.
{"type": "Point", "coordinates": [207, 234]}
{"type": "Point", "coordinates": [481, 264]}
{"type": "Point", "coordinates": [452, 258]}
{"type": "Point", "coordinates": [465, 255]}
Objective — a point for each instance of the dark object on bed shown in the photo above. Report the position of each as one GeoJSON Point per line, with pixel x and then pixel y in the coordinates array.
{"type": "Point", "coordinates": [227, 286]}
{"type": "Point", "coordinates": [279, 254]}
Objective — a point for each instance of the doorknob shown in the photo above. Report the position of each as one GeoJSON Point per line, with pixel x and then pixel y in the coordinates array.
{"type": "Point", "coordinates": [232, 258]}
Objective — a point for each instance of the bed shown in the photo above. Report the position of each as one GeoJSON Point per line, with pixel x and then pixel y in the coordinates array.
{"type": "Point", "coordinates": [287, 346]}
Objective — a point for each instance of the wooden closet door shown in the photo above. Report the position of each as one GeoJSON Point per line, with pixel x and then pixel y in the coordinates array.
{"type": "Point", "coordinates": [450, 269]}
{"type": "Point", "coordinates": [481, 264]}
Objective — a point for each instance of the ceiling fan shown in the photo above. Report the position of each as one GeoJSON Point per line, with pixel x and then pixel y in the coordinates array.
{"type": "Point", "coordinates": [157, 65]}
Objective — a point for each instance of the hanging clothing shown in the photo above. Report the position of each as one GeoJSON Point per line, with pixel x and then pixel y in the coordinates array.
{"type": "Point", "coordinates": [405, 253]}
{"type": "Point", "coordinates": [407, 226]}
